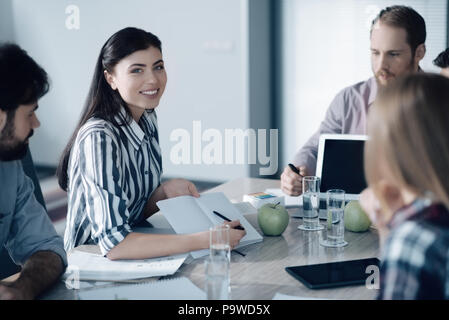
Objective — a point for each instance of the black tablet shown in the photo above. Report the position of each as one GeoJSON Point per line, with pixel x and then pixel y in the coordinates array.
{"type": "Point", "coordinates": [334, 274]}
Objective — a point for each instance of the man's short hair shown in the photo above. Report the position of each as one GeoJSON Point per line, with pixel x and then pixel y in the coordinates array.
{"type": "Point", "coordinates": [442, 60]}
{"type": "Point", "coordinates": [22, 80]}
{"type": "Point", "coordinates": [406, 18]}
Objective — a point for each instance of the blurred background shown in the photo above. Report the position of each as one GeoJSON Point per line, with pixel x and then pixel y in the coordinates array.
{"type": "Point", "coordinates": [231, 64]}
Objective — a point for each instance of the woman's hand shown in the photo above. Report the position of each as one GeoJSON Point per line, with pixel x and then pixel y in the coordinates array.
{"type": "Point", "coordinates": [179, 187]}
{"type": "Point", "coordinates": [235, 235]}
{"type": "Point", "coordinates": [169, 189]}
{"type": "Point", "coordinates": [371, 206]}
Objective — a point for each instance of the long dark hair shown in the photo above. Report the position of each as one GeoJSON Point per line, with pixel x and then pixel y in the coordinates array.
{"type": "Point", "coordinates": [442, 61]}
{"type": "Point", "coordinates": [103, 102]}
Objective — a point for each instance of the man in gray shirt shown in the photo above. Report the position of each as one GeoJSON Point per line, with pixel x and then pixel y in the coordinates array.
{"type": "Point", "coordinates": [25, 229]}
{"type": "Point", "coordinates": [397, 41]}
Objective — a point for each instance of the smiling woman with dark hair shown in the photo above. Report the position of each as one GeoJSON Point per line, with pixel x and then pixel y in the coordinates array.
{"type": "Point", "coordinates": [112, 166]}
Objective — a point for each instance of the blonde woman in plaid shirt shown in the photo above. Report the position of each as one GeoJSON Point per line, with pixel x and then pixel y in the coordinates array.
{"type": "Point", "coordinates": [406, 166]}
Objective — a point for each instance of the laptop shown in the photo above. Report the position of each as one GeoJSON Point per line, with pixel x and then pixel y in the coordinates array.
{"type": "Point", "coordinates": [340, 166]}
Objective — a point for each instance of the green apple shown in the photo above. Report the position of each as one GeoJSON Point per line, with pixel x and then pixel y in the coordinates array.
{"type": "Point", "coordinates": [273, 219]}
{"type": "Point", "coordinates": [356, 219]}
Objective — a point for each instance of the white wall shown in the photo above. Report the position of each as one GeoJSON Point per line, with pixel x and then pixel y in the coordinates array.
{"type": "Point", "coordinates": [204, 47]}
{"type": "Point", "coordinates": [326, 48]}
{"type": "Point", "coordinates": [6, 30]}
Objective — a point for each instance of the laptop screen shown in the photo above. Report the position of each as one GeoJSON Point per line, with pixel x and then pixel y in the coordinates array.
{"type": "Point", "coordinates": [343, 166]}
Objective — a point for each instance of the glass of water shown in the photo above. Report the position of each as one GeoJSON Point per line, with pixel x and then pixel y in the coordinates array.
{"type": "Point", "coordinates": [311, 204]}
{"type": "Point", "coordinates": [334, 235]}
{"type": "Point", "coordinates": [219, 241]}
{"type": "Point", "coordinates": [217, 278]}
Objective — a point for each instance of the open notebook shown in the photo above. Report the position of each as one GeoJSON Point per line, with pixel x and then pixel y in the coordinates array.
{"type": "Point", "coordinates": [174, 289]}
{"type": "Point", "coordinates": [89, 266]}
{"type": "Point", "coordinates": [187, 214]}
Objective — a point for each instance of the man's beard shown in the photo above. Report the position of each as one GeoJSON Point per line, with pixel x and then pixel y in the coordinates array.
{"type": "Point", "coordinates": [392, 76]}
{"type": "Point", "coordinates": [11, 148]}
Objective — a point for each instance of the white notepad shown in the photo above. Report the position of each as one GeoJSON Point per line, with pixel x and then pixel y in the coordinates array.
{"type": "Point", "coordinates": [281, 296]}
{"type": "Point", "coordinates": [187, 214]}
{"type": "Point", "coordinates": [96, 267]}
{"type": "Point", "coordinates": [289, 200]}
{"type": "Point", "coordinates": [174, 289]}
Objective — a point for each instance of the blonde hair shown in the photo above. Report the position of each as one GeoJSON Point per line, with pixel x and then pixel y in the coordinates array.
{"type": "Point", "coordinates": [408, 128]}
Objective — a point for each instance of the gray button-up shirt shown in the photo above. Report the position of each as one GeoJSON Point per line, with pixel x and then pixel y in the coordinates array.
{"type": "Point", "coordinates": [25, 227]}
{"type": "Point", "coordinates": [347, 114]}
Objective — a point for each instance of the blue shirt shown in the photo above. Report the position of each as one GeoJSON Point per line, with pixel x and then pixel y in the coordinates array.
{"type": "Point", "coordinates": [25, 227]}
{"type": "Point", "coordinates": [112, 173]}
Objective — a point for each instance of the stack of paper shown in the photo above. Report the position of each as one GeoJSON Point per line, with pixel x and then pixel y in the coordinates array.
{"type": "Point", "coordinates": [175, 289]}
{"type": "Point", "coordinates": [89, 266]}
{"type": "Point", "coordinates": [281, 296]}
{"type": "Point", "coordinates": [289, 200]}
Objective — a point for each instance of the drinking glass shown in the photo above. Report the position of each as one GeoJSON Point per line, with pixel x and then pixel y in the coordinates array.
{"type": "Point", "coordinates": [219, 241]}
{"type": "Point", "coordinates": [217, 278]}
{"type": "Point", "coordinates": [334, 235]}
{"type": "Point", "coordinates": [311, 204]}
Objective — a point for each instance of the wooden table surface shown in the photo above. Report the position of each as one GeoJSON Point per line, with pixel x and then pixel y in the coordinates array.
{"type": "Point", "coordinates": [261, 274]}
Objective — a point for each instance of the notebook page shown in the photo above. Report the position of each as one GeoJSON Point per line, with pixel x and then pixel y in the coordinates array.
{"type": "Point", "coordinates": [184, 215]}
{"type": "Point", "coordinates": [96, 267]}
{"type": "Point", "coordinates": [174, 289]}
{"type": "Point", "coordinates": [218, 202]}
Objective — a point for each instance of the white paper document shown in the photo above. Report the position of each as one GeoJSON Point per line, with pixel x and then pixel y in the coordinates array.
{"type": "Point", "coordinates": [281, 296]}
{"type": "Point", "coordinates": [91, 266]}
{"type": "Point", "coordinates": [187, 214]}
{"type": "Point", "coordinates": [289, 201]}
{"type": "Point", "coordinates": [174, 289]}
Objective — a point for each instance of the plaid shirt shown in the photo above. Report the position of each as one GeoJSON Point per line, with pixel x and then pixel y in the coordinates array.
{"type": "Point", "coordinates": [415, 259]}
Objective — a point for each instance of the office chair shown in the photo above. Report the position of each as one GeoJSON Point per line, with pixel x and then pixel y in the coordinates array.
{"type": "Point", "coordinates": [7, 266]}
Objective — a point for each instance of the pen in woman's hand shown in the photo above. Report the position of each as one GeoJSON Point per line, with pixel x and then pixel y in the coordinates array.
{"type": "Point", "coordinates": [228, 220]}
{"type": "Point", "coordinates": [238, 227]}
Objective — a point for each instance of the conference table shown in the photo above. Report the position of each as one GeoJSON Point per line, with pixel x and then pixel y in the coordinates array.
{"type": "Point", "coordinates": [261, 274]}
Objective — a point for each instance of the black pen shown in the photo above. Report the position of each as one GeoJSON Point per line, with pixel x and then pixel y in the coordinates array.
{"type": "Point", "coordinates": [295, 170]}
{"type": "Point", "coordinates": [238, 227]}
{"type": "Point", "coordinates": [228, 220]}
